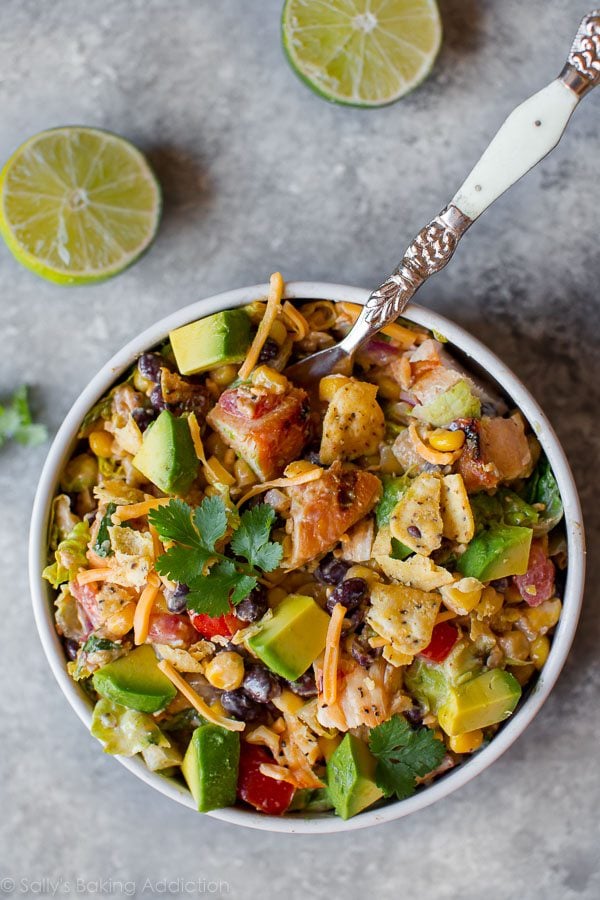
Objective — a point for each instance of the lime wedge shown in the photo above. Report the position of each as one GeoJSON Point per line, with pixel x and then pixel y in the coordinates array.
{"type": "Point", "coordinates": [361, 52]}
{"type": "Point", "coordinates": [78, 205]}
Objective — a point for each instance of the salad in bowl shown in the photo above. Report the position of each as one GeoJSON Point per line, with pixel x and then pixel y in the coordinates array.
{"type": "Point", "coordinates": [305, 604]}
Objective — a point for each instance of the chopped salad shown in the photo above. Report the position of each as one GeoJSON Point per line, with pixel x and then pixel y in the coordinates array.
{"type": "Point", "coordinates": [304, 602]}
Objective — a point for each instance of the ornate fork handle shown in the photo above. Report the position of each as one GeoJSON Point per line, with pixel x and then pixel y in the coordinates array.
{"type": "Point", "coordinates": [582, 70]}
{"type": "Point", "coordinates": [430, 251]}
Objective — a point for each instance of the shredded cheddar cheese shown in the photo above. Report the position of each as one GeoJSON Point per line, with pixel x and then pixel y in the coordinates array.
{"type": "Point", "coordinates": [273, 306]}
{"type": "Point", "coordinates": [444, 616]}
{"type": "Point", "coordinates": [214, 471]}
{"type": "Point", "coordinates": [436, 457]}
{"type": "Point", "coordinates": [196, 700]}
{"type": "Point", "coordinates": [143, 610]}
{"type": "Point", "coordinates": [279, 773]}
{"type": "Point", "coordinates": [295, 320]}
{"type": "Point", "coordinates": [135, 510]}
{"type": "Point", "coordinates": [332, 654]}
{"type": "Point", "coordinates": [88, 575]}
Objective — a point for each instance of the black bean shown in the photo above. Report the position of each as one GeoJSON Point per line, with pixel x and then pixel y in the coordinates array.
{"type": "Point", "coordinates": [362, 652]}
{"type": "Point", "coordinates": [240, 705]}
{"type": "Point", "coordinates": [177, 600]}
{"type": "Point", "coordinates": [349, 593]}
{"type": "Point", "coordinates": [253, 607]}
{"type": "Point", "coordinates": [305, 686]}
{"type": "Point", "coordinates": [331, 570]}
{"type": "Point", "coordinates": [142, 417]}
{"type": "Point", "coordinates": [414, 715]}
{"type": "Point", "coordinates": [157, 400]}
{"type": "Point", "coordinates": [71, 648]}
{"type": "Point", "coordinates": [269, 351]}
{"type": "Point", "coordinates": [414, 531]}
{"type": "Point", "coordinates": [150, 365]}
{"type": "Point", "coordinates": [356, 618]}
{"type": "Point", "coordinates": [260, 684]}
{"type": "Point", "coordinates": [500, 584]}
{"type": "Point", "coordinates": [312, 455]}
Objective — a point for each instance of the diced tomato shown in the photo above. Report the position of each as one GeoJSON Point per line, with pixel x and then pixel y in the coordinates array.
{"type": "Point", "coordinates": [170, 628]}
{"type": "Point", "coordinates": [86, 596]}
{"type": "Point", "coordinates": [209, 626]}
{"type": "Point", "coordinates": [443, 639]}
{"type": "Point", "coordinates": [537, 584]}
{"type": "Point", "coordinates": [241, 402]}
{"type": "Point", "coordinates": [264, 793]}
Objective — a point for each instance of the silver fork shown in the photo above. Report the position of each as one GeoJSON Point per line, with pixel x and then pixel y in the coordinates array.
{"type": "Point", "coordinates": [530, 132]}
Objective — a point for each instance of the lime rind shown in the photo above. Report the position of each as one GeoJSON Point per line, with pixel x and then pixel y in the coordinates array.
{"type": "Point", "coordinates": [73, 243]}
{"type": "Point", "coordinates": [371, 50]}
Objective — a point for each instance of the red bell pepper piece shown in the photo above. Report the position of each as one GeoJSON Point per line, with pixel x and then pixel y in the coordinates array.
{"type": "Point", "coordinates": [209, 626]}
{"type": "Point", "coordinates": [264, 793]}
{"type": "Point", "coordinates": [443, 639]}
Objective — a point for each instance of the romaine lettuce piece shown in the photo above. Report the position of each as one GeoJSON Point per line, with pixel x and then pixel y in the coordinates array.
{"type": "Point", "coordinates": [542, 488]}
{"type": "Point", "coordinates": [458, 402]}
{"type": "Point", "coordinates": [69, 556]}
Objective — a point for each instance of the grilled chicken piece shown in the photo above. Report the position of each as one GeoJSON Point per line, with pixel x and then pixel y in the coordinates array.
{"type": "Point", "coordinates": [322, 511]}
{"type": "Point", "coordinates": [496, 450]}
{"type": "Point", "coordinates": [268, 430]}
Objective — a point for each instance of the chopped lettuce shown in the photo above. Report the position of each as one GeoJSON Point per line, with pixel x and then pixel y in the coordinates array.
{"type": "Point", "coordinates": [159, 758]}
{"type": "Point", "coordinates": [542, 488]}
{"type": "Point", "coordinates": [62, 520]}
{"type": "Point", "coordinates": [69, 556]}
{"type": "Point", "coordinates": [125, 731]}
{"type": "Point", "coordinates": [505, 507]}
{"type": "Point", "coordinates": [458, 402]}
{"type": "Point", "coordinates": [68, 622]}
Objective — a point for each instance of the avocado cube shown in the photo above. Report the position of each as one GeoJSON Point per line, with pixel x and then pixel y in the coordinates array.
{"type": "Point", "coordinates": [351, 777]}
{"type": "Point", "coordinates": [167, 456]}
{"type": "Point", "coordinates": [215, 341]}
{"type": "Point", "coordinates": [431, 682]}
{"type": "Point", "coordinates": [498, 552]}
{"type": "Point", "coordinates": [482, 701]}
{"type": "Point", "coordinates": [135, 681]}
{"type": "Point", "coordinates": [291, 640]}
{"type": "Point", "coordinates": [210, 766]}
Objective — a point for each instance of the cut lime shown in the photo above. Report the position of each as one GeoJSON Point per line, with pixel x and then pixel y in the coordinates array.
{"type": "Point", "coordinates": [361, 52]}
{"type": "Point", "coordinates": [78, 205]}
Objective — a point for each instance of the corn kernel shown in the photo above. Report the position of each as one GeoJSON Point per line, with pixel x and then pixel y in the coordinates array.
{"type": "Point", "coordinates": [462, 596]}
{"type": "Point", "coordinates": [388, 388]}
{"type": "Point", "coordinates": [540, 649]}
{"type": "Point", "coordinates": [265, 376]}
{"type": "Point", "coordinates": [490, 603]}
{"type": "Point", "coordinates": [442, 439]}
{"type": "Point", "coordinates": [288, 702]}
{"type": "Point", "coordinates": [224, 375]}
{"type": "Point", "coordinates": [514, 645]}
{"type": "Point", "coordinates": [522, 673]}
{"type": "Point", "coordinates": [328, 745]}
{"type": "Point", "coordinates": [329, 385]}
{"type": "Point", "coordinates": [278, 332]}
{"type": "Point", "coordinates": [216, 473]}
{"type": "Point", "coordinates": [225, 671]}
{"type": "Point", "coordinates": [101, 443]}
{"type": "Point", "coordinates": [244, 475]}
{"type": "Point", "coordinates": [543, 617]}
{"type": "Point", "coordinates": [122, 621]}
{"type": "Point", "coordinates": [467, 742]}
{"type": "Point", "coordinates": [140, 383]}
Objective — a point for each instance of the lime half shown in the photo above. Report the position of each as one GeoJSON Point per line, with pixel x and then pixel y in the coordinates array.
{"type": "Point", "coordinates": [362, 52]}
{"type": "Point", "coordinates": [78, 205]}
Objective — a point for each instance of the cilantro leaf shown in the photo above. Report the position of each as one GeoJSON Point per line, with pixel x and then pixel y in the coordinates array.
{"type": "Point", "coordinates": [251, 540]}
{"type": "Point", "coordinates": [211, 595]}
{"type": "Point", "coordinates": [102, 545]}
{"type": "Point", "coordinates": [210, 519]}
{"type": "Point", "coordinates": [182, 564]}
{"type": "Point", "coordinates": [403, 755]}
{"type": "Point", "coordinates": [174, 523]}
{"type": "Point", "coordinates": [16, 421]}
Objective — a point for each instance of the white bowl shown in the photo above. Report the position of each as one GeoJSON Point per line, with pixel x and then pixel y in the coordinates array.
{"type": "Point", "coordinates": [563, 637]}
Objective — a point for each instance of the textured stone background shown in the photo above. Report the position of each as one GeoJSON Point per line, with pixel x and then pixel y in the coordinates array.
{"type": "Point", "coordinates": [260, 174]}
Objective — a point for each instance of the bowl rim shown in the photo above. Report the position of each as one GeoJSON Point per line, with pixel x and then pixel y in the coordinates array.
{"type": "Point", "coordinates": [473, 348]}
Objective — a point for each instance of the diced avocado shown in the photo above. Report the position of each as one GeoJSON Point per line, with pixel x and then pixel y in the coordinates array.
{"type": "Point", "coordinates": [291, 640]}
{"type": "Point", "coordinates": [351, 777]}
{"type": "Point", "coordinates": [431, 682]}
{"type": "Point", "coordinates": [394, 488]}
{"type": "Point", "coordinates": [135, 681]}
{"type": "Point", "coordinates": [458, 402]}
{"type": "Point", "coordinates": [210, 766]}
{"type": "Point", "coordinates": [497, 552]}
{"type": "Point", "coordinates": [482, 701]}
{"type": "Point", "coordinates": [215, 341]}
{"type": "Point", "coordinates": [167, 457]}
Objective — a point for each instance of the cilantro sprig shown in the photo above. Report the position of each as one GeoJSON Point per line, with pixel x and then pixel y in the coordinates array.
{"type": "Point", "coordinates": [215, 579]}
{"type": "Point", "coordinates": [403, 754]}
{"type": "Point", "coordinates": [16, 421]}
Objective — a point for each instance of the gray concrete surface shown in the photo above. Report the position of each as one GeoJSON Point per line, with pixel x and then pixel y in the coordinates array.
{"type": "Point", "coordinates": [260, 174]}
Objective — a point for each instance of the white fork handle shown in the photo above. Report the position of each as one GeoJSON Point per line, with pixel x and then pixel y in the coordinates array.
{"type": "Point", "coordinates": [530, 132]}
